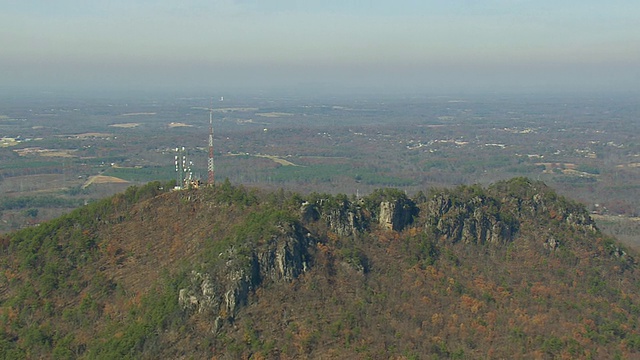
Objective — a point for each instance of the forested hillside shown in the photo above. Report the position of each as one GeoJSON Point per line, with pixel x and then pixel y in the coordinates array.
{"type": "Point", "coordinates": [508, 271]}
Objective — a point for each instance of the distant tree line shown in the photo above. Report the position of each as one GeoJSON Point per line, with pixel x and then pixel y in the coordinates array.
{"type": "Point", "coordinates": [47, 201]}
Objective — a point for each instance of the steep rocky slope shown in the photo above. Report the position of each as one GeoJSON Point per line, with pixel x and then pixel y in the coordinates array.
{"type": "Point", "coordinates": [513, 270]}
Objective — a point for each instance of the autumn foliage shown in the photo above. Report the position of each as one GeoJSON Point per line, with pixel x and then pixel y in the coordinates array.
{"type": "Point", "coordinates": [103, 282]}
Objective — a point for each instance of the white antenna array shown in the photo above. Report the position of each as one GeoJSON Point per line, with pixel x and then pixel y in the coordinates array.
{"type": "Point", "coordinates": [183, 169]}
{"type": "Point", "coordinates": [210, 164]}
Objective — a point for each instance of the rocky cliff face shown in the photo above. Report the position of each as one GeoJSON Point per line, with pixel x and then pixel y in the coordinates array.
{"type": "Point", "coordinates": [227, 286]}
{"type": "Point", "coordinates": [476, 220]}
{"type": "Point", "coordinates": [396, 214]}
{"type": "Point", "coordinates": [573, 215]}
{"type": "Point", "coordinates": [347, 218]}
{"type": "Point", "coordinates": [469, 216]}
{"type": "Point", "coordinates": [223, 288]}
{"type": "Point", "coordinates": [475, 215]}
{"type": "Point", "coordinates": [286, 257]}
{"type": "Point", "coordinates": [534, 199]}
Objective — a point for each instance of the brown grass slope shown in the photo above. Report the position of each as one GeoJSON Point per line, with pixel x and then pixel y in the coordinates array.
{"type": "Point", "coordinates": [511, 271]}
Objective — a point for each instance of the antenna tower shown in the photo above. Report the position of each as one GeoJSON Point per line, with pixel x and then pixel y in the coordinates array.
{"type": "Point", "coordinates": [181, 167]}
{"type": "Point", "coordinates": [210, 166]}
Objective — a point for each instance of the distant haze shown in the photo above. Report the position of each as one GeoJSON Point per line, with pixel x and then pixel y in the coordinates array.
{"type": "Point", "coordinates": [434, 46]}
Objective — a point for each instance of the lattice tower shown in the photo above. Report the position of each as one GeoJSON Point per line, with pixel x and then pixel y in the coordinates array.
{"type": "Point", "coordinates": [210, 166]}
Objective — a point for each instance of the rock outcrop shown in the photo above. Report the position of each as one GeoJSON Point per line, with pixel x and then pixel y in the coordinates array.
{"type": "Point", "coordinates": [534, 199]}
{"type": "Point", "coordinates": [240, 270]}
{"type": "Point", "coordinates": [345, 221]}
{"type": "Point", "coordinates": [284, 257]}
{"type": "Point", "coordinates": [474, 215]}
{"type": "Point", "coordinates": [200, 296]}
{"type": "Point", "coordinates": [469, 215]}
{"type": "Point", "coordinates": [552, 244]}
{"type": "Point", "coordinates": [559, 208]}
{"type": "Point", "coordinates": [476, 220]}
{"type": "Point", "coordinates": [396, 214]}
{"type": "Point", "coordinates": [342, 216]}
{"type": "Point", "coordinates": [392, 210]}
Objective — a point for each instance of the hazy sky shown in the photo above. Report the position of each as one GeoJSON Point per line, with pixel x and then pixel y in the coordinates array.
{"type": "Point", "coordinates": [444, 45]}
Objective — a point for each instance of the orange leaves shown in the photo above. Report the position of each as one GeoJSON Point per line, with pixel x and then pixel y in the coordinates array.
{"type": "Point", "coordinates": [451, 282]}
{"type": "Point", "coordinates": [223, 312]}
{"type": "Point", "coordinates": [418, 282]}
{"type": "Point", "coordinates": [489, 289]}
{"type": "Point", "coordinates": [332, 237]}
{"type": "Point", "coordinates": [540, 319]}
{"type": "Point", "coordinates": [414, 231]}
{"type": "Point", "coordinates": [110, 310]}
{"type": "Point", "coordinates": [589, 325]}
{"type": "Point", "coordinates": [258, 356]}
{"type": "Point", "coordinates": [10, 274]}
{"type": "Point", "coordinates": [111, 249]}
{"type": "Point", "coordinates": [521, 317]}
{"type": "Point", "coordinates": [325, 257]}
{"type": "Point", "coordinates": [539, 290]}
{"type": "Point", "coordinates": [471, 304]}
{"type": "Point", "coordinates": [503, 293]}
{"type": "Point", "coordinates": [481, 284]}
{"type": "Point", "coordinates": [135, 300]}
{"type": "Point", "coordinates": [10, 313]}
{"type": "Point", "coordinates": [491, 317]}
{"type": "Point", "coordinates": [437, 320]}
{"type": "Point", "coordinates": [435, 274]}
{"type": "Point", "coordinates": [388, 236]}
{"type": "Point", "coordinates": [324, 249]}
{"type": "Point", "coordinates": [177, 244]}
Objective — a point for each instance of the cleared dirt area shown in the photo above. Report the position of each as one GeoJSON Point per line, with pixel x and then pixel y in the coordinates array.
{"type": "Point", "coordinates": [276, 159]}
{"type": "Point", "coordinates": [139, 114]}
{"type": "Point", "coordinates": [46, 152]}
{"type": "Point", "coordinates": [6, 142]}
{"type": "Point", "coordinates": [101, 179]}
{"type": "Point", "coordinates": [126, 125]}
{"type": "Point", "coordinates": [176, 124]}
{"type": "Point", "coordinates": [632, 165]}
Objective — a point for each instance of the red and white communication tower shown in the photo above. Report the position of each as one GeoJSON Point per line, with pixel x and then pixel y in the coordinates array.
{"type": "Point", "coordinates": [210, 166]}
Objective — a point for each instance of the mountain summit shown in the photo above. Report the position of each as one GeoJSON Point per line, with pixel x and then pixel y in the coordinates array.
{"type": "Point", "coordinates": [508, 271]}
